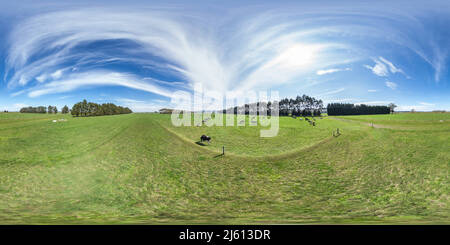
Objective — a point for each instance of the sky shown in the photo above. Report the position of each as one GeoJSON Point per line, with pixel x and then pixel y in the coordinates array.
{"type": "Point", "coordinates": [138, 53]}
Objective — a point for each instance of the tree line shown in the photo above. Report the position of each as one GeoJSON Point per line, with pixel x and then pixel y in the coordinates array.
{"type": "Point", "coordinates": [342, 109]}
{"type": "Point", "coordinates": [40, 109]}
{"type": "Point", "coordinates": [87, 109]}
{"type": "Point", "coordinates": [251, 108]}
{"type": "Point", "coordinates": [300, 106]}
{"type": "Point", "coordinates": [81, 109]}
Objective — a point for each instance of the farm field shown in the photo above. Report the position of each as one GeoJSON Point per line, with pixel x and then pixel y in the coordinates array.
{"type": "Point", "coordinates": [418, 120]}
{"type": "Point", "coordinates": [139, 169]}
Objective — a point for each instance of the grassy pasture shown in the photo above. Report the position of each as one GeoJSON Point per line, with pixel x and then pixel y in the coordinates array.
{"type": "Point", "coordinates": [293, 135]}
{"type": "Point", "coordinates": [418, 120]}
{"type": "Point", "coordinates": [138, 168]}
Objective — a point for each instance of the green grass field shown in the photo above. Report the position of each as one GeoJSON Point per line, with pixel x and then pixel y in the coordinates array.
{"type": "Point", "coordinates": [138, 168]}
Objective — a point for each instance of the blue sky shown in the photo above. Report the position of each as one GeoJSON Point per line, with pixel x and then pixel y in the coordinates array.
{"type": "Point", "coordinates": [137, 53]}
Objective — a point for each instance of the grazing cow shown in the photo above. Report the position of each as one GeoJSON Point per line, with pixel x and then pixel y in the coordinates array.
{"type": "Point", "coordinates": [205, 138]}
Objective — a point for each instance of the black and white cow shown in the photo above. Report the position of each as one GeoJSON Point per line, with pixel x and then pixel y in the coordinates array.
{"type": "Point", "coordinates": [205, 138]}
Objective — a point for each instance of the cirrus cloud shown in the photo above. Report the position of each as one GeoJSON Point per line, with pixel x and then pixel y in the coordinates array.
{"type": "Point", "coordinates": [384, 67]}
{"type": "Point", "coordinates": [72, 48]}
{"type": "Point", "coordinates": [391, 85]}
{"type": "Point", "coordinates": [333, 70]}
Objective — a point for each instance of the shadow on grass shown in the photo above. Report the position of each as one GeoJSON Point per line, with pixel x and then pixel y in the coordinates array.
{"type": "Point", "coordinates": [203, 144]}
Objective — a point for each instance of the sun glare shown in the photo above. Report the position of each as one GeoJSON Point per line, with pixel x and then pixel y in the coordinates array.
{"type": "Point", "coordinates": [297, 56]}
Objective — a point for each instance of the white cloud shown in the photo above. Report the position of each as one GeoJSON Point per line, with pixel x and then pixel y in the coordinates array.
{"type": "Point", "coordinates": [18, 93]}
{"type": "Point", "coordinates": [372, 90]}
{"type": "Point", "coordinates": [259, 51]}
{"type": "Point", "coordinates": [57, 74]}
{"type": "Point", "coordinates": [421, 107]}
{"type": "Point", "coordinates": [391, 85]}
{"type": "Point", "coordinates": [332, 92]}
{"type": "Point", "coordinates": [378, 69]}
{"type": "Point", "coordinates": [328, 71]}
{"type": "Point", "coordinates": [14, 107]}
{"type": "Point", "coordinates": [234, 52]}
{"type": "Point", "coordinates": [98, 78]}
{"type": "Point", "coordinates": [384, 67]}
{"type": "Point", "coordinates": [426, 104]}
{"type": "Point", "coordinates": [142, 106]}
{"type": "Point", "coordinates": [42, 78]}
{"type": "Point", "coordinates": [344, 100]}
{"type": "Point", "coordinates": [65, 97]}
{"type": "Point", "coordinates": [391, 66]}
{"type": "Point", "coordinates": [374, 103]}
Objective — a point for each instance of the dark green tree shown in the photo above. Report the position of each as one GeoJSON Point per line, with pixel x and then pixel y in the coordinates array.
{"type": "Point", "coordinates": [76, 110]}
{"type": "Point", "coordinates": [65, 110]}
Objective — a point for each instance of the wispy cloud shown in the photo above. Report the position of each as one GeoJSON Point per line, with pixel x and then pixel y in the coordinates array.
{"type": "Point", "coordinates": [14, 107]}
{"type": "Point", "coordinates": [336, 91]}
{"type": "Point", "coordinates": [343, 100]}
{"type": "Point", "coordinates": [426, 104]}
{"type": "Point", "coordinates": [372, 90]}
{"type": "Point", "coordinates": [142, 106]}
{"type": "Point", "coordinates": [328, 71]}
{"type": "Point", "coordinates": [383, 67]}
{"type": "Point", "coordinates": [391, 66]}
{"type": "Point", "coordinates": [391, 85]}
{"type": "Point", "coordinates": [422, 106]}
{"type": "Point", "coordinates": [275, 51]}
{"type": "Point", "coordinates": [57, 74]}
{"type": "Point", "coordinates": [258, 49]}
{"type": "Point", "coordinates": [65, 97]}
{"type": "Point", "coordinates": [378, 69]}
{"type": "Point", "coordinates": [382, 102]}
{"type": "Point", "coordinates": [98, 78]}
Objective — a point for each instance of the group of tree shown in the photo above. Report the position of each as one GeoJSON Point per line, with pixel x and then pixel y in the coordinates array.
{"type": "Point", "coordinates": [87, 109]}
{"type": "Point", "coordinates": [52, 109]}
{"type": "Point", "coordinates": [300, 106]}
{"type": "Point", "coordinates": [252, 108]}
{"type": "Point", "coordinates": [65, 110]}
{"type": "Point", "coordinates": [165, 111]}
{"type": "Point", "coordinates": [342, 109]}
{"type": "Point", "coordinates": [80, 109]}
{"type": "Point", "coordinates": [40, 109]}
{"type": "Point", "coordinates": [30, 109]}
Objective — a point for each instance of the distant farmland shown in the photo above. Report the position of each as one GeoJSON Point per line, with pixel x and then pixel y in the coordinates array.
{"type": "Point", "coordinates": [138, 168]}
